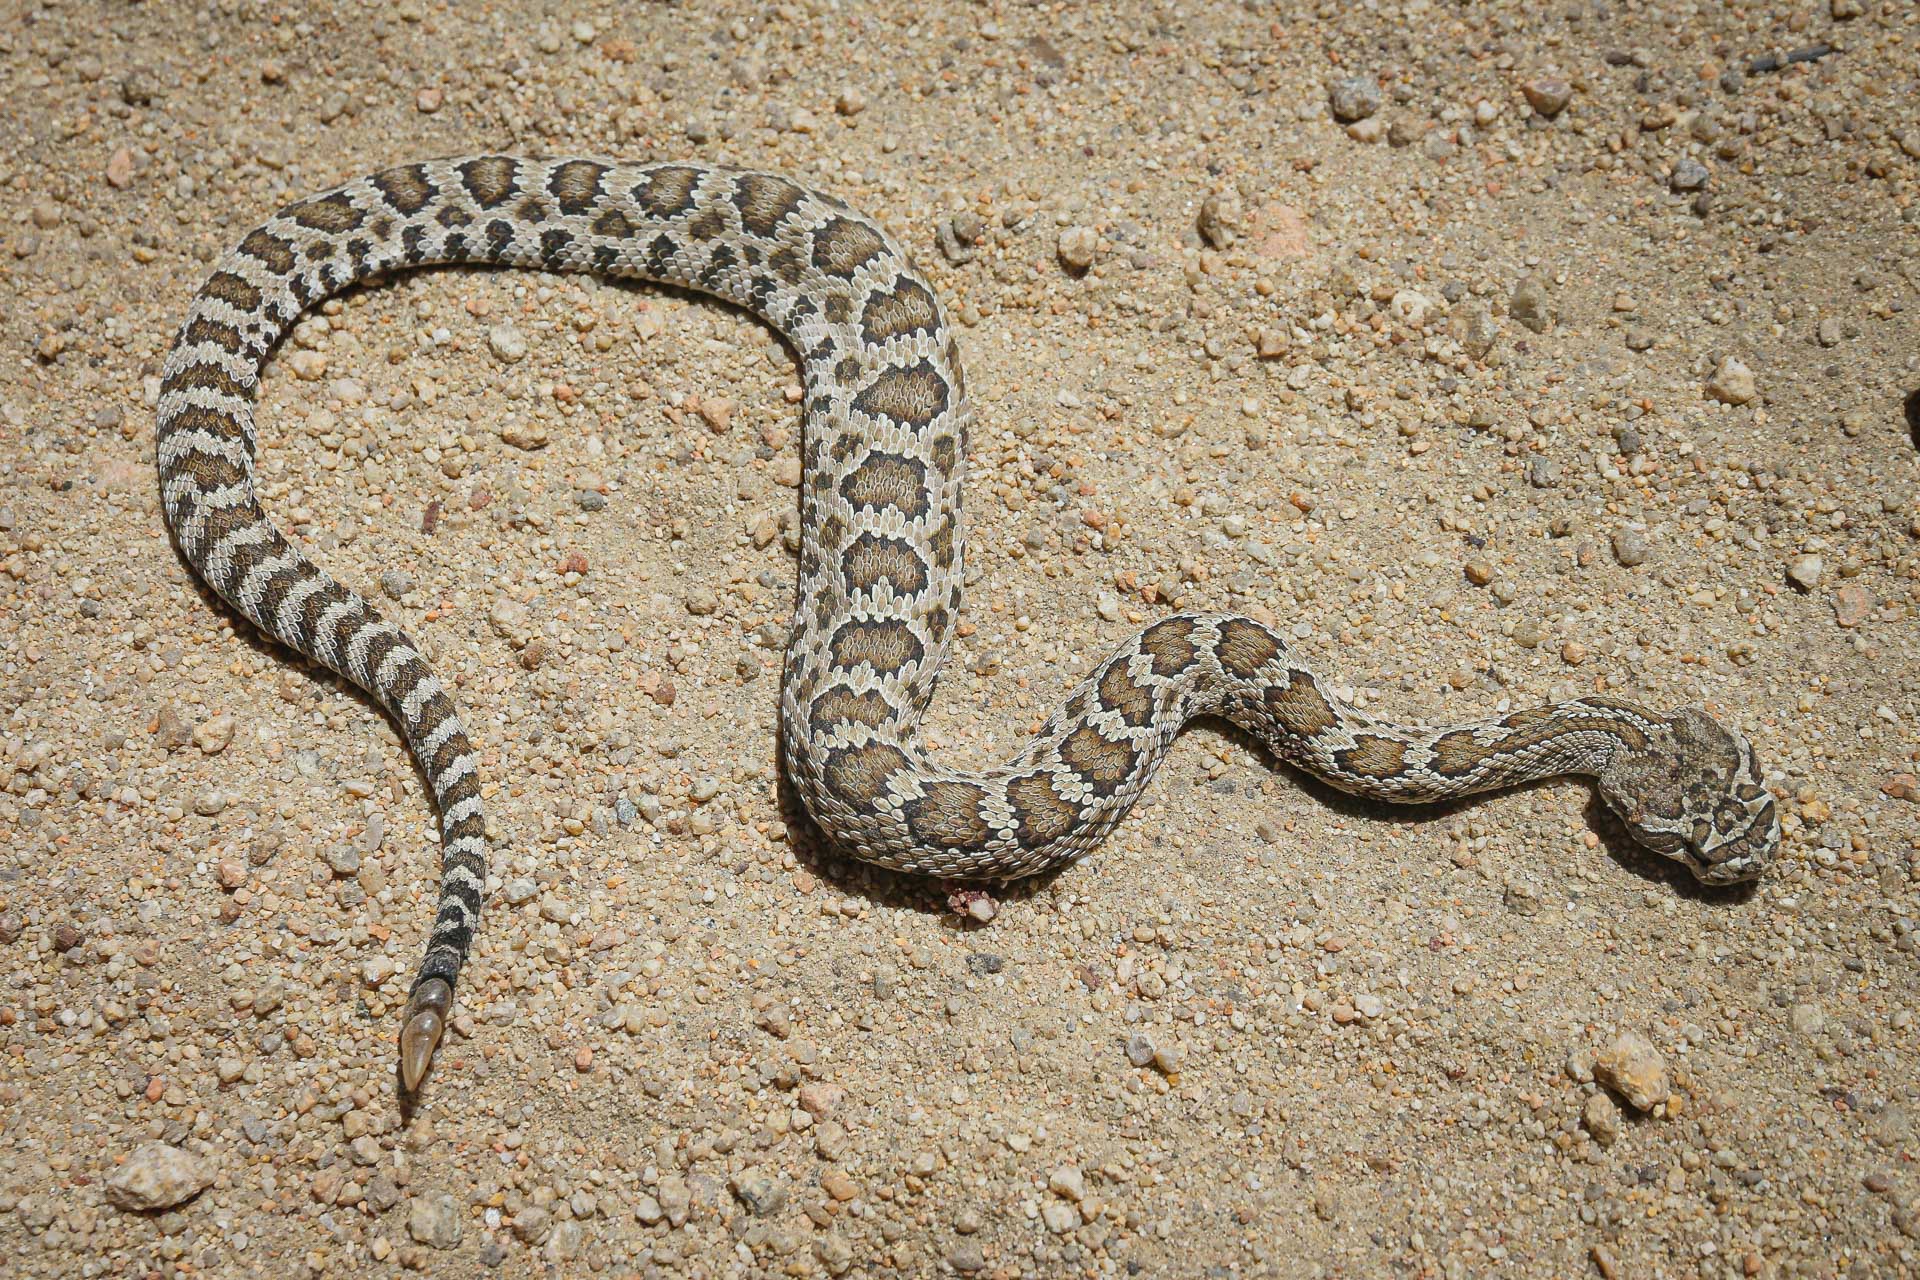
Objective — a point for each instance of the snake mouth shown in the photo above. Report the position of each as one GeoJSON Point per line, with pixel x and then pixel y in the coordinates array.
{"type": "Point", "coordinates": [1737, 870]}
{"type": "Point", "coordinates": [1743, 858]}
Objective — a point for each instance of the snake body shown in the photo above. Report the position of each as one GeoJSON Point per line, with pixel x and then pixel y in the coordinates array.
{"type": "Point", "coordinates": [884, 446]}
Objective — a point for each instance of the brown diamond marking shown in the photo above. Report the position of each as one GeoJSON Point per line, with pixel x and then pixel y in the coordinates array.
{"type": "Point", "coordinates": [905, 309]}
{"type": "Point", "coordinates": [576, 185]}
{"type": "Point", "coordinates": [405, 188]}
{"type": "Point", "coordinates": [708, 225]}
{"type": "Point", "coordinates": [216, 422]}
{"type": "Point", "coordinates": [946, 453]}
{"type": "Point", "coordinates": [765, 201]}
{"type": "Point", "coordinates": [838, 309]}
{"type": "Point", "coordinates": [887, 480]}
{"type": "Point", "coordinates": [213, 471]}
{"type": "Point", "coordinates": [667, 191]}
{"type": "Point", "coordinates": [613, 225]}
{"type": "Point", "coordinates": [1106, 765]}
{"type": "Point", "coordinates": [949, 816]}
{"type": "Point", "coordinates": [1457, 754]}
{"type": "Point", "coordinates": [232, 290]}
{"type": "Point", "coordinates": [210, 377]}
{"type": "Point", "coordinates": [788, 265]}
{"type": "Point", "coordinates": [858, 775]}
{"type": "Point", "coordinates": [942, 543]}
{"type": "Point", "coordinates": [1170, 645]}
{"type": "Point", "coordinates": [887, 647]}
{"type": "Point", "coordinates": [207, 329]}
{"type": "Point", "coordinates": [491, 180]}
{"type": "Point", "coordinates": [872, 560]}
{"type": "Point", "coordinates": [842, 246]}
{"type": "Point", "coordinates": [333, 215]}
{"type": "Point", "coordinates": [275, 254]}
{"type": "Point", "coordinates": [911, 397]}
{"type": "Point", "coordinates": [1299, 705]}
{"type": "Point", "coordinates": [841, 705]}
{"type": "Point", "coordinates": [1374, 757]}
{"type": "Point", "coordinates": [1119, 692]}
{"type": "Point", "coordinates": [1245, 647]}
{"type": "Point", "coordinates": [1039, 814]}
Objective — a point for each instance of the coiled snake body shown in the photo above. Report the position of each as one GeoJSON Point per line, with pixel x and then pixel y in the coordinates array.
{"type": "Point", "coordinates": [885, 442]}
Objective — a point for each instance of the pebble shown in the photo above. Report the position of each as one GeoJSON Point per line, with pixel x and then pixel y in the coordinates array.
{"type": "Point", "coordinates": [717, 413]}
{"type": "Point", "coordinates": [1474, 328]}
{"type": "Point", "coordinates": [1805, 571]}
{"type": "Point", "coordinates": [435, 1220]}
{"type": "Point", "coordinates": [759, 1190]}
{"type": "Point", "coordinates": [1368, 131]}
{"type": "Point", "coordinates": [1059, 1217]}
{"type": "Point", "coordinates": [1140, 1049]}
{"type": "Point", "coordinates": [1354, 98]}
{"type": "Point", "coordinates": [1068, 1183]}
{"type": "Point", "coordinates": [519, 434]}
{"type": "Point", "coordinates": [1852, 605]}
{"type": "Point", "coordinates": [1808, 1019]}
{"type": "Point", "coordinates": [158, 1176]}
{"type": "Point", "coordinates": [1602, 1119]}
{"type": "Point", "coordinates": [1529, 304]}
{"type": "Point", "coordinates": [506, 343]}
{"type": "Point", "coordinates": [1077, 247]}
{"type": "Point", "coordinates": [1732, 382]}
{"type": "Point", "coordinates": [966, 1257]}
{"type": "Point", "coordinates": [120, 168]}
{"type": "Point", "coordinates": [1635, 1070]}
{"type": "Point", "coordinates": [820, 1098]}
{"type": "Point", "coordinates": [1547, 95]}
{"type": "Point", "coordinates": [1222, 219]}
{"type": "Point", "coordinates": [1688, 175]}
{"type": "Point", "coordinates": [213, 735]}
{"type": "Point", "coordinates": [1630, 547]}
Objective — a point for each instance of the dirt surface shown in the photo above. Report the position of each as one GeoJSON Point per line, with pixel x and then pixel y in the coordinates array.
{"type": "Point", "coordinates": [1575, 360]}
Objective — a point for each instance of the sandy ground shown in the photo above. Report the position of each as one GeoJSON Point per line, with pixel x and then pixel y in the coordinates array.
{"type": "Point", "coordinates": [1443, 388]}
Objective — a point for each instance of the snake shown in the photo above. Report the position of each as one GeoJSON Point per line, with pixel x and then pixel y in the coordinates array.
{"type": "Point", "coordinates": [885, 419]}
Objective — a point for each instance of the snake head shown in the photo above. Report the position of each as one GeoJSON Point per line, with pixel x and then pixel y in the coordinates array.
{"type": "Point", "coordinates": [1693, 792]}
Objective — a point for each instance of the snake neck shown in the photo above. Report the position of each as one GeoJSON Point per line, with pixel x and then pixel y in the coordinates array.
{"type": "Point", "coordinates": [1414, 764]}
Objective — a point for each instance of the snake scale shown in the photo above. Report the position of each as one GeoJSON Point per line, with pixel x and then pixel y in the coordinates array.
{"type": "Point", "coordinates": [884, 446]}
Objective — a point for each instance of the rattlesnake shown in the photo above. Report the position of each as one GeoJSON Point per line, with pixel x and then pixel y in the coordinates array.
{"type": "Point", "coordinates": [885, 441]}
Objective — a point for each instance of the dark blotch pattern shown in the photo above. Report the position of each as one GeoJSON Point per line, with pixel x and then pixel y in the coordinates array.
{"type": "Point", "coordinates": [911, 397]}
{"type": "Point", "coordinates": [576, 186]}
{"type": "Point", "coordinates": [906, 309]}
{"type": "Point", "coordinates": [491, 181]}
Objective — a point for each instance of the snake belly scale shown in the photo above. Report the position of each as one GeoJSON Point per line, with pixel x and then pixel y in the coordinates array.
{"type": "Point", "coordinates": [885, 419]}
